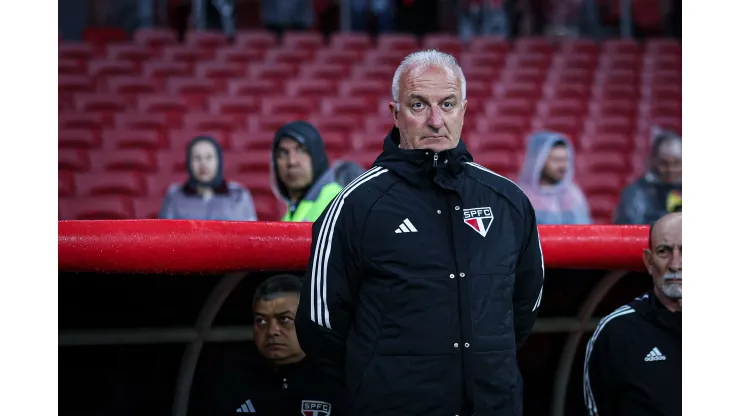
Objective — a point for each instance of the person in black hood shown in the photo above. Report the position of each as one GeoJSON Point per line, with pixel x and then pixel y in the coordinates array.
{"type": "Point", "coordinates": [425, 272]}
{"type": "Point", "coordinates": [633, 360]}
{"type": "Point", "coordinates": [300, 171]}
{"type": "Point", "coordinates": [282, 380]}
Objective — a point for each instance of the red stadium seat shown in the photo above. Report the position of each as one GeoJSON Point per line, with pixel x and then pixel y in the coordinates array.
{"type": "Point", "coordinates": [579, 47]}
{"type": "Point", "coordinates": [493, 142]}
{"type": "Point", "coordinates": [74, 84]}
{"type": "Point", "coordinates": [275, 72]}
{"type": "Point", "coordinates": [569, 62]}
{"type": "Point", "coordinates": [147, 208]}
{"type": "Point", "coordinates": [665, 62]}
{"type": "Point", "coordinates": [237, 55]}
{"type": "Point", "coordinates": [343, 107]}
{"type": "Point", "coordinates": [356, 42]}
{"type": "Point", "coordinates": [98, 68]}
{"type": "Point", "coordinates": [76, 120]}
{"type": "Point", "coordinates": [491, 61]}
{"type": "Point", "coordinates": [184, 53]}
{"type": "Point", "coordinates": [562, 107]}
{"type": "Point", "coordinates": [95, 208]}
{"type": "Point", "coordinates": [76, 51]}
{"type": "Point", "coordinates": [131, 139]}
{"type": "Point", "coordinates": [615, 62]}
{"type": "Point", "coordinates": [302, 40]}
{"type": "Point", "coordinates": [533, 45]}
{"type": "Point", "coordinates": [570, 126]}
{"type": "Point", "coordinates": [610, 125]}
{"type": "Point", "coordinates": [617, 76]}
{"type": "Point", "coordinates": [369, 89]}
{"type": "Point", "coordinates": [171, 161]}
{"type": "Point", "coordinates": [510, 107]}
{"type": "Point", "coordinates": [219, 70]}
{"type": "Point", "coordinates": [130, 85]}
{"type": "Point", "coordinates": [205, 39]}
{"type": "Point", "coordinates": [384, 57]}
{"type": "Point", "coordinates": [110, 183]}
{"type": "Point", "coordinates": [443, 42]}
{"type": "Point", "coordinates": [662, 77]}
{"type": "Point", "coordinates": [77, 139]}
{"type": "Point", "coordinates": [518, 125]}
{"type": "Point", "coordinates": [379, 73]}
{"type": "Point", "coordinates": [152, 121]}
{"type": "Point", "coordinates": [660, 109]}
{"type": "Point", "coordinates": [591, 183]}
{"type": "Point", "coordinates": [323, 71]}
{"type": "Point", "coordinates": [132, 52]}
{"type": "Point", "coordinates": [168, 104]}
{"type": "Point", "coordinates": [405, 43]}
{"type": "Point", "coordinates": [346, 58]}
{"type": "Point", "coordinates": [617, 107]}
{"type": "Point", "coordinates": [489, 44]}
{"type": "Point", "coordinates": [526, 91]}
{"type": "Point", "coordinates": [159, 183]}
{"type": "Point", "coordinates": [500, 161]}
{"type": "Point", "coordinates": [66, 184]}
{"type": "Point", "coordinates": [193, 91]}
{"type": "Point", "coordinates": [525, 75]}
{"type": "Point", "coordinates": [618, 143]}
{"type": "Point", "coordinates": [237, 107]}
{"type": "Point", "coordinates": [485, 75]}
{"type": "Point", "coordinates": [371, 144]}
{"type": "Point", "coordinates": [621, 47]}
{"type": "Point", "coordinates": [600, 162]}
{"type": "Point", "coordinates": [334, 124]}
{"type": "Point", "coordinates": [268, 208]}
{"type": "Point", "coordinates": [293, 57]}
{"type": "Point", "coordinates": [158, 69]}
{"type": "Point", "coordinates": [248, 162]}
{"type": "Point", "coordinates": [310, 89]}
{"type": "Point", "coordinates": [570, 75]}
{"type": "Point", "coordinates": [657, 46]}
{"type": "Point", "coordinates": [270, 123]}
{"type": "Point", "coordinates": [363, 159]}
{"type": "Point", "coordinates": [663, 93]}
{"type": "Point", "coordinates": [76, 160]}
{"type": "Point", "coordinates": [180, 138]}
{"type": "Point", "coordinates": [206, 122]}
{"type": "Point", "coordinates": [287, 105]}
{"type": "Point", "coordinates": [246, 140]}
{"type": "Point", "coordinates": [567, 91]}
{"type": "Point", "coordinates": [155, 38]}
{"type": "Point", "coordinates": [528, 60]}
{"type": "Point", "coordinates": [69, 67]}
{"type": "Point", "coordinates": [253, 87]}
{"type": "Point", "coordinates": [602, 208]}
{"type": "Point", "coordinates": [123, 160]}
{"type": "Point", "coordinates": [256, 39]}
{"type": "Point", "coordinates": [615, 92]}
{"type": "Point", "coordinates": [100, 102]}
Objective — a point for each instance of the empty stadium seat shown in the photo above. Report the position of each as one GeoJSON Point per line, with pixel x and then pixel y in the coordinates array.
{"type": "Point", "coordinates": [69, 67]}
{"type": "Point", "coordinates": [110, 183]}
{"type": "Point", "coordinates": [75, 160]}
{"type": "Point", "coordinates": [147, 208]}
{"type": "Point", "coordinates": [128, 85]}
{"type": "Point", "coordinates": [404, 43]}
{"type": "Point", "coordinates": [293, 57]}
{"type": "Point", "coordinates": [115, 139]}
{"type": "Point", "coordinates": [510, 107]}
{"type": "Point", "coordinates": [310, 89]}
{"type": "Point", "coordinates": [158, 183]}
{"type": "Point", "coordinates": [256, 39]}
{"type": "Point", "coordinates": [344, 57]}
{"type": "Point", "coordinates": [78, 120]}
{"type": "Point", "coordinates": [299, 107]}
{"type": "Point", "coordinates": [252, 140]}
{"type": "Point", "coordinates": [171, 161]}
{"type": "Point", "coordinates": [205, 39]}
{"type": "Point", "coordinates": [133, 160]}
{"type": "Point", "coordinates": [323, 71]}
{"type": "Point", "coordinates": [155, 38]}
{"type": "Point", "coordinates": [66, 184]}
{"type": "Point", "coordinates": [236, 107]}
{"type": "Point", "coordinates": [193, 91]}
{"type": "Point", "coordinates": [488, 44]}
{"type": "Point", "coordinates": [96, 208]}
{"type": "Point", "coordinates": [569, 125]}
{"type": "Point", "coordinates": [253, 87]}
{"type": "Point", "coordinates": [562, 107]}
{"type": "Point", "coordinates": [166, 104]}
{"type": "Point", "coordinates": [302, 40]}
{"type": "Point", "coordinates": [128, 52]}
{"type": "Point", "coordinates": [238, 55]}
{"type": "Point", "coordinates": [101, 68]}
{"type": "Point", "coordinates": [356, 42]}
{"type": "Point", "coordinates": [76, 51]}
{"type": "Point", "coordinates": [443, 42]}
{"type": "Point", "coordinates": [536, 45]}
{"type": "Point", "coordinates": [207, 122]}
{"type": "Point", "coordinates": [219, 71]}
{"type": "Point", "coordinates": [599, 183]}
{"type": "Point", "coordinates": [606, 142]}
{"type": "Point", "coordinates": [258, 162]}
{"type": "Point", "coordinates": [77, 139]}
{"type": "Point", "coordinates": [579, 47]}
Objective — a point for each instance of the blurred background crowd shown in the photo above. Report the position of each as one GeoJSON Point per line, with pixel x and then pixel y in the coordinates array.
{"type": "Point", "coordinates": [263, 110]}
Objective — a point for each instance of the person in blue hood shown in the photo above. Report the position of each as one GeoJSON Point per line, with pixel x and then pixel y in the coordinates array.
{"type": "Point", "coordinates": [300, 172]}
{"type": "Point", "coordinates": [547, 179]}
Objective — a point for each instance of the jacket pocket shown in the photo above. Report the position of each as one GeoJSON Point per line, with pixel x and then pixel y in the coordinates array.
{"type": "Point", "coordinates": [498, 387]}
{"type": "Point", "coordinates": [410, 385]}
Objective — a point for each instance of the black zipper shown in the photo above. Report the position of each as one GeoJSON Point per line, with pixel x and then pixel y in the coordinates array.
{"type": "Point", "coordinates": [436, 157]}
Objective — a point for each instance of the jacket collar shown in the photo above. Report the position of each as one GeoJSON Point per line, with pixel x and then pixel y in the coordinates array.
{"type": "Point", "coordinates": [422, 168]}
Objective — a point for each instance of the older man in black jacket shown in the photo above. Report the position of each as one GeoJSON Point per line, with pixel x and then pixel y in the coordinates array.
{"type": "Point", "coordinates": [426, 272]}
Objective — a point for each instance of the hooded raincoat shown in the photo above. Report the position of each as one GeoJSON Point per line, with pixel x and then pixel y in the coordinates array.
{"type": "Point", "coordinates": [563, 203]}
{"type": "Point", "coordinates": [229, 202]}
{"type": "Point", "coordinates": [324, 187]}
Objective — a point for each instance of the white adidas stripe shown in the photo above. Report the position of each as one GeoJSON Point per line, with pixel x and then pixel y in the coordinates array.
{"type": "Point", "coordinates": [319, 308]}
{"type": "Point", "coordinates": [587, 393]}
{"type": "Point", "coordinates": [539, 243]}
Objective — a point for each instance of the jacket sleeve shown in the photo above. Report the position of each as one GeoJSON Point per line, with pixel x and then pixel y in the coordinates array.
{"type": "Point", "coordinates": [330, 286]}
{"type": "Point", "coordinates": [631, 207]}
{"type": "Point", "coordinates": [166, 211]}
{"type": "Point", "coordinates": [247, 210]}
{"type": "Point", "coordinates": [601, 375]}
{"type": "Point", "coordinates": [529, 279]}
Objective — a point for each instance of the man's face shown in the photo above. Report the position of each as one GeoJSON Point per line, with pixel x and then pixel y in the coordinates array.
{"type": "Point", "coordinates": [556, 165]}
{"type": "Point", "coordinates": [274, 329]}
{"type": "Point", "coordinates": [667, 162]}
{"type": "Point", "coordinates": [294, 166]}
{"type": "Point", "coordinates": [203, 161]}
{"type": "Point", "coordinates": [663, 261]}
{"type": "Point", "coordinates": [431, 111]}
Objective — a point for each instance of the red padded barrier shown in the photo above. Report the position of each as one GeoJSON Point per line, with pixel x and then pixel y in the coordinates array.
{"type": "Point", "coordinates": [181, 246]}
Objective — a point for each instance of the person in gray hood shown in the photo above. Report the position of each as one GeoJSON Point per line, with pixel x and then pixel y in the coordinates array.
{"type": "Point", "coordinates": [300, 172]}
{"type": "Point", "coordinates": [207, 195]}
{"type": "Point", "coordinates": [658, 192]}
{"type": "Point", "coordinates": [547, 179]}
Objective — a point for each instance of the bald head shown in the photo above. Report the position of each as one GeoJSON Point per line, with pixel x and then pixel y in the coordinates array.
{"type": "Point", "coordinates": [663, 259]}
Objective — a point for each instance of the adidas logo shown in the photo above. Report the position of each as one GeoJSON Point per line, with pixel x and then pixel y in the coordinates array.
{"type": "Point", "coordinates": [655, 355]}
{"type": "Point", "coordinates": [406, 227]}
{"type": "Point", "coordinates": [246, 407]}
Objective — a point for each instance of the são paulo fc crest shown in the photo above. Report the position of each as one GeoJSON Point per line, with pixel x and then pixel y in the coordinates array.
{"type": "Point", "coordinates": [315, 408]}
{"type": "Point", "coordinates": [479, 219]}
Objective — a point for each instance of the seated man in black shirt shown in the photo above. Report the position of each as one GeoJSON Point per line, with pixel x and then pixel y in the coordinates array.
{"type": "Point", "coordinates": [282, 380]}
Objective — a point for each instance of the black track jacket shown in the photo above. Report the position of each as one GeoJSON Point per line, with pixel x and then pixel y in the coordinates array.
{"type": "Point", "coordinates": [633, 362]}
{"type": "Point", "coordinates": [425, 274]}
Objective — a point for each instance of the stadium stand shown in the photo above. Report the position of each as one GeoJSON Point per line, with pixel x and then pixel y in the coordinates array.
{"type": "Point", "coordinates": [127, 110]}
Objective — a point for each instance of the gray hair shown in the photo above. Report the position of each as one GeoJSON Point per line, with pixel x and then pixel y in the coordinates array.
{"type": "Point", "coordinates": [427, 58]}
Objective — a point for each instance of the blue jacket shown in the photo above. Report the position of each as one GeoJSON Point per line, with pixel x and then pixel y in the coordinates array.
{"type": "Point", "coordinates": [425, 275]}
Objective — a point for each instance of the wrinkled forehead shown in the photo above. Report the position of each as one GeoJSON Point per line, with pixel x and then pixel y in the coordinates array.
{"type": "Point", "coordinates": [430, 80]}
{"type": "Point", "coordinates": [668, 231]}
{"type": "Point", "coordinates": [277, 304]}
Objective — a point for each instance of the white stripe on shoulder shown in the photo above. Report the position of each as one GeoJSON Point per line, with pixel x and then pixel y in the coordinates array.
{"type": "Point", "coordinates": [587, 392]}
{"type": "Point", "coordinates": [319, 306]}
{"type": "Point", "coordinates": [485, 169]}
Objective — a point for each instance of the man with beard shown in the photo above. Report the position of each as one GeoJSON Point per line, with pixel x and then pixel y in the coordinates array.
{"type": "Point", "coordinates": [633, 360]}
{"type": "Point", "coordinates": [547, 179]}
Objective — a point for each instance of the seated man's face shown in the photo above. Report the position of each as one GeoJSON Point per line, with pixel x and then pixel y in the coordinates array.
{"type": "Point", "coordinates": [556, 165]}
{"type": "Point", "coordinates": [274, 329]}
{"type": "Point", "coordinates": [294, 165]}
